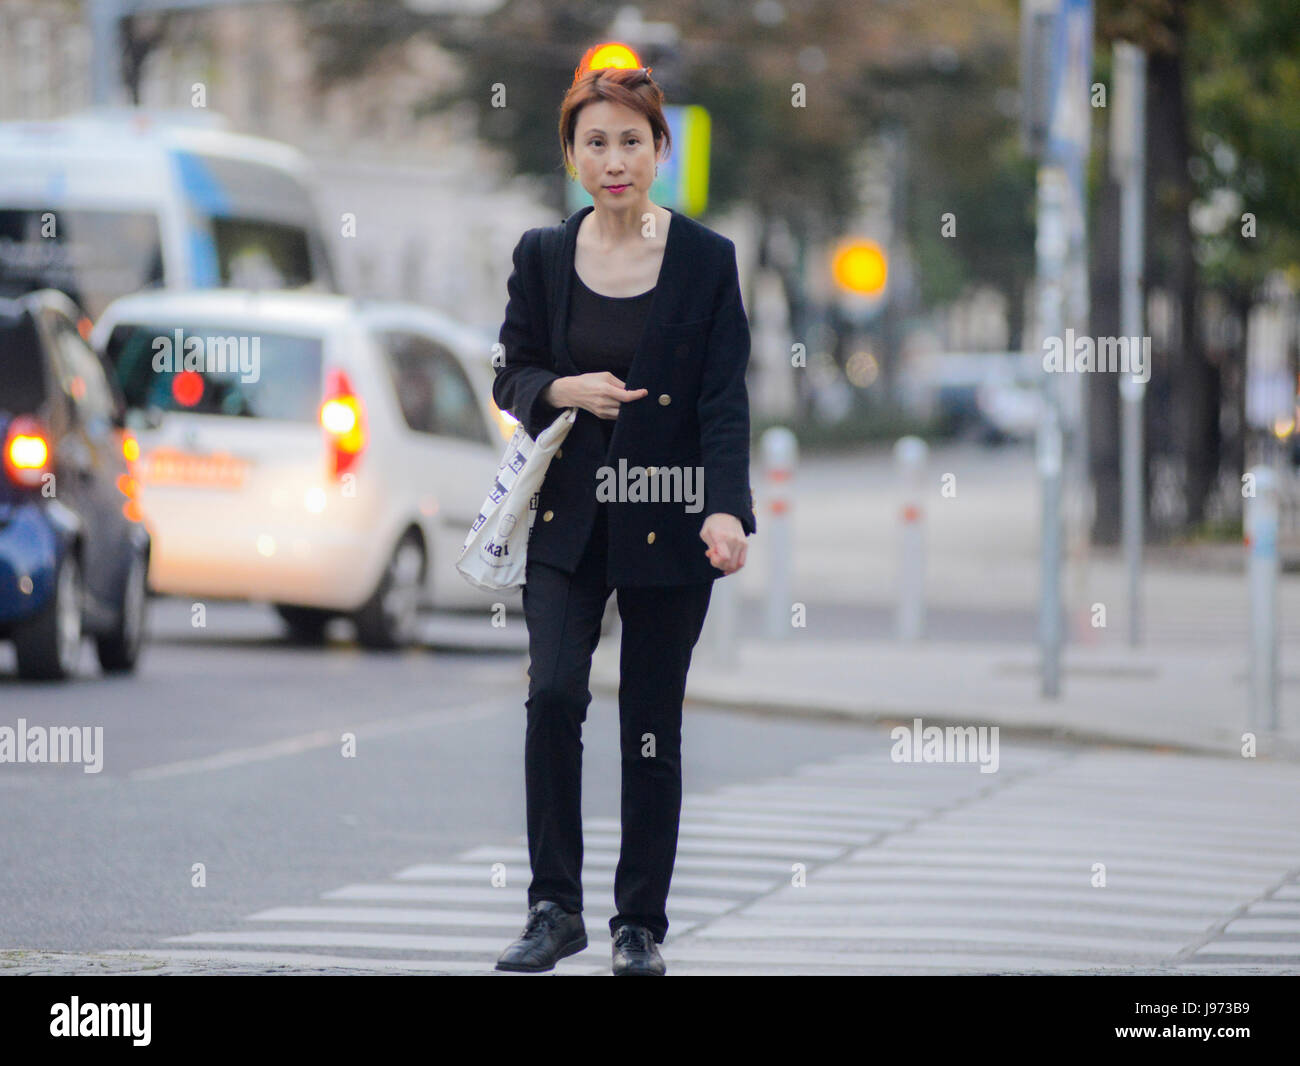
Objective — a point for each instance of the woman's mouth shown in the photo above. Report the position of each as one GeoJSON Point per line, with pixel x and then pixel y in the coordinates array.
{"type": "Point", "coordinates": [615, 188]}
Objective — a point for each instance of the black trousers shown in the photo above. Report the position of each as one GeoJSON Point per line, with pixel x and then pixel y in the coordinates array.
{"type": "Point", "coordinates": [660, 629]}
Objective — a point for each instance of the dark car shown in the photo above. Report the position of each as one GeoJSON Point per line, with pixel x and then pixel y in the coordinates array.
{"type": "Point", "coordinates": [74, 553]}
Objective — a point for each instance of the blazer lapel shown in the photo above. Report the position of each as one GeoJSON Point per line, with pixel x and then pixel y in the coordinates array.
{"type": "Point", "coordinates": [560, 312]}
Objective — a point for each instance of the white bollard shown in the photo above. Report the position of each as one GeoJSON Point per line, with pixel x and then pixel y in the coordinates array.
{"type": "Point", "coordinates": [719, 635]}
{"type": "Point", "coordinates": [1261, 542]}
{"type": "Point", "coordinates": [780, 450]}
{"type": "Point", "coordinates": [910, 454]}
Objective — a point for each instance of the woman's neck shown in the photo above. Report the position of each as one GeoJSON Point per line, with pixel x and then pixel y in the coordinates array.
{"type": "Point", "coordinates": [614, 227]}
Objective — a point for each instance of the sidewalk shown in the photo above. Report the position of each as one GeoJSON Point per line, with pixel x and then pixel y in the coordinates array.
{"type": "Point", "coordinates": [1187, 687]}
{"type": "Point", "coordinates": [1193, 699]}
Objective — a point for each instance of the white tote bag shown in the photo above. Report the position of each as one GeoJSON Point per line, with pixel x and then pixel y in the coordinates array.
{"type": "Point", "coordinates": [496, 549]}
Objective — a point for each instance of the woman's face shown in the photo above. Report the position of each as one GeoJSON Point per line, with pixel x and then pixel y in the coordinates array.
{"type": "Point", "coordinates": [613, 146]}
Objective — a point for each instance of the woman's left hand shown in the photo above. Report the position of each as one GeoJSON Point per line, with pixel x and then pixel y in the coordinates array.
{"type": "Point", "coordinates": [725, 537]}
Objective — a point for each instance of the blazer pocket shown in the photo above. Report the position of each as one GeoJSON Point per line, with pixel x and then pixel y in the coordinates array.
{"type": "Point", "coordinates": [686, 339]}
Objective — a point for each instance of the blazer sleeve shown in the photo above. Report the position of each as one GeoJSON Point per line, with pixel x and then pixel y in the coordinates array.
{"type": "Point", "coordinates": [528, 365]}
{"type": "Point", "coordinates": [723, 405]}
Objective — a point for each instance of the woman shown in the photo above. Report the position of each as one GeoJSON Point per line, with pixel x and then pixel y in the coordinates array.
{"type": "Point", "coordinates": [649, 341]}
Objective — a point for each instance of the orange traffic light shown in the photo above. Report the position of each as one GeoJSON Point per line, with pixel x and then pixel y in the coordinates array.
{"type": "Point", "coordinates": [860, 266]}
{"type": "Point", "coordinates": [607, 54]}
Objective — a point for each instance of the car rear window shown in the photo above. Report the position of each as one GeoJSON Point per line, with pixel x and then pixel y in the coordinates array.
{"type": "Point", "coordinates": [213, 371]}
{"type": "Point", "coordinates": [22, 366]}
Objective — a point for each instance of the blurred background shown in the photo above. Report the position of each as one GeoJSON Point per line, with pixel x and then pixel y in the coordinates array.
{"type": "Point", "coordinates": [912, 112]}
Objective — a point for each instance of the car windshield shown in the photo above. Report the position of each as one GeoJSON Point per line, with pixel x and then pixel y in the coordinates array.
{"type": "Point", "coordinates": [22, 368]}
{"type": "Point", "coordinates": [213, 371]}
{"type": "Point", "coordinates": [93, 256]}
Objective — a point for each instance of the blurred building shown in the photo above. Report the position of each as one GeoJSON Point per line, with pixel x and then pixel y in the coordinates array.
{"type": "Point", "coordinates": [435, 221]}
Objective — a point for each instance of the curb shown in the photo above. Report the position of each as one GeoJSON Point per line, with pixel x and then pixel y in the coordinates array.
{"type": "Point", "coordinates": [1271, 746]}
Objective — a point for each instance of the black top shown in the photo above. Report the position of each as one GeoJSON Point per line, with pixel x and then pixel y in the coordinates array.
{"type": "Point", "coordinates": [603, 333]}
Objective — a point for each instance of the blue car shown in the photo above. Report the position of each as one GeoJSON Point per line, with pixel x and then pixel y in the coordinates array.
{"type": "Point", "coordinates": [74, 552]}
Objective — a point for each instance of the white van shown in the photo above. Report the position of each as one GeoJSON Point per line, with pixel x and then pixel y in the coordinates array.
{"type": "Point", "coordinates": [111, 202]}
{"type": "Point", "coordinates": [325, 455]}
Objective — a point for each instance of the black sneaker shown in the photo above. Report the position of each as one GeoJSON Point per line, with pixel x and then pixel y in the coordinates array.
{"type": "Point", "coordinates": [636, 954]}
{"type": "Point", "coordinates": [551, 934]}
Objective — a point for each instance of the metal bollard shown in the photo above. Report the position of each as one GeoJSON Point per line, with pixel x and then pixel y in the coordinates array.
{"type": "Point", "coordinates": [910, 454]}
{"type": "Point", "coordinates": [780, 451]}
{"type": "Point", "coordinates": [1261, 541]}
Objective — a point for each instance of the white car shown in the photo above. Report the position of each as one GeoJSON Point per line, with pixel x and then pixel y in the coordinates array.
{"type": "Point", "coordinates": [322, 454]}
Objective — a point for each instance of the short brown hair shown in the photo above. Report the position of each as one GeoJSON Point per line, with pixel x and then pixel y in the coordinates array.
{"type": "Point", "coordinates": [631, 88]}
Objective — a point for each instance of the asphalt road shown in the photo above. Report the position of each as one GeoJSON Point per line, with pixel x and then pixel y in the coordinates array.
{"type": "Point", "coordinates": [226, 749]}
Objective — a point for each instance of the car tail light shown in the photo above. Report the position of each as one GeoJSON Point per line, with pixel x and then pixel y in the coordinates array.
{"type": "Point", "coordinates": [130, 447]}
{"type": "Point", "coordinates": [27, 452]}
{"type": "Point", "coordinates": [343, 417]}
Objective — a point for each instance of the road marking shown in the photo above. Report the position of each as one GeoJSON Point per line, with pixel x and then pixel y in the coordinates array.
{"type": "Point", "coordinates": [320, 738]}
{"type": "Point", "coordinates": [988, 885]}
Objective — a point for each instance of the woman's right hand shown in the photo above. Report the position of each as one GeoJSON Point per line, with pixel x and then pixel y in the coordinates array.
{"type": "Point", "coordinates": [600, 393]}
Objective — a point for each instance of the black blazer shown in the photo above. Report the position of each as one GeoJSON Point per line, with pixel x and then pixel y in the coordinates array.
{"type": "Point", "coordinates": [692, 358]}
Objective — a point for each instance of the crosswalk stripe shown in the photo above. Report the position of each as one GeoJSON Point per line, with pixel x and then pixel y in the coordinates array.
{"type": "Point", "coordinates": [1251, 924]}
{"type": "Point", "coordinates": [957, 892]}
{"type": "Point", "coordinates": [506, 923]}
{"type": "Point", "coordinates": [596, 857]}
{"type": "Point", "coordinates": [604, 862]}
{"type": "Point", "coordinates": [331, 938]}
{"type": "Point", "coordinates": [1022, 868]}
{"type": "Point", "coordinates": [1288, 948]}
{"type": "Point", "coordinates": [688, 844]}
{"type": "Point", "coordinates": [1135, 862]}
{"type": "Point", "coordinates": [1153, 942]}
{"type": "Point", "coordinates": [985, 914]}
{"type": "Point", "coordinates": [890, 799]}
{"type": "Point", "coordinates": [1100, 831]}
{"type": "Point", "coordinates": [1155, 816]}
{"type": "Point", "coordinates": [305, 960]}
{"type": "Point", "coordinates": [605, 877]}
{"type": "Point", "coordinates": [694, 828]}
{"type": "Point", "coordinates": [695, 952]}
{"type": "Point", "coordinates": [777, 805]}
{"type": "Point", "coordinates": [1067, 850]}
{"type": "Point", "coordinates": [515, 897]}
{"type": "Point", "coordinates": [968, 875]}
{"type": "Point", "coordinates": [1282, 908]}
{"type": "Point", "coordinates": [858, 823]}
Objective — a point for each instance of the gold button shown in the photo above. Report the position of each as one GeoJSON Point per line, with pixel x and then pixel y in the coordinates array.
{"type": "Point", "coordinates": [548, 516]}
{"type": "Point", "coordinates": [559, 453]}
{"type": "Point", "coordinates": [649, 538]}
{"type": "Point", "coordinates": [665, 399]}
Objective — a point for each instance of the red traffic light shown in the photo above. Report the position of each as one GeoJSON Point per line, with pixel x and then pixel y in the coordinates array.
{"type": "Point", "coordinates": [605, 55]}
